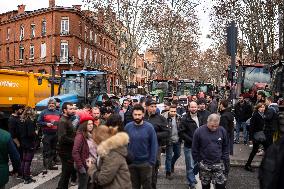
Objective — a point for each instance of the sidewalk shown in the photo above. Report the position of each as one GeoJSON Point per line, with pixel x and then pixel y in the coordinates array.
{"type": "Point", "coordinates": [241, 154]}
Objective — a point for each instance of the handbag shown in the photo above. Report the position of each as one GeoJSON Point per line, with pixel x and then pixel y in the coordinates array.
{"type": "Point", "coordinates": [259, 136]}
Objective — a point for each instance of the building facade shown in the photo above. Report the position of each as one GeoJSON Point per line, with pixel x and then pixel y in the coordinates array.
{"type": "Point", "coordinates": [57, 39]}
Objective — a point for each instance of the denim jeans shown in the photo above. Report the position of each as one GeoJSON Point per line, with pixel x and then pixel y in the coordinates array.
{"type": "Point", "coordinates": [189, 164]}
{"type": "Point", "coordinates": [170, 158]}
{"type": "Point", "coordinates": [245, 131]}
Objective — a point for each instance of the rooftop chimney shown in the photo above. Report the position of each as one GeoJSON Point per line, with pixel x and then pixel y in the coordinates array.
{"type": "Point", "coordinates": [78, 7]}
{"type": "Point", "coordinates": [21, 9]}
{"type": "Point", "coordinates": [51, 3]}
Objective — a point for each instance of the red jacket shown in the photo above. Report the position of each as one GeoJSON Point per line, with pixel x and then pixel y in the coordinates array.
{"type": "Point", "coordinates": [80, 151]}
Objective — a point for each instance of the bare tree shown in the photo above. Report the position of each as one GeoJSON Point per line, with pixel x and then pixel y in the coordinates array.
{"type": "Point", "coordinates": [124, 21]}
{"type": "Point", "coordinates": [256, 20]}
{"type": "Point", "coordinates": [175, 30]}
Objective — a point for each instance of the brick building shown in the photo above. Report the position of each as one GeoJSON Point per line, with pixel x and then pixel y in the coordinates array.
{"type": "Point", "coordinates": [153, 64]}
{"type": "Point", "coordinates": [60, 38]}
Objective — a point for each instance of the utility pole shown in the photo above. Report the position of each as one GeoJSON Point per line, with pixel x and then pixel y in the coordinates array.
{"type": "Point", "coordinates": [52, 79]}
{"type": "Point", "coordinates": [232, 34]}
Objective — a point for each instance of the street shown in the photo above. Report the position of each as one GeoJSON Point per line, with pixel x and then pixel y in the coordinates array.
{"type": "Point", "coordinates": [238, 177]}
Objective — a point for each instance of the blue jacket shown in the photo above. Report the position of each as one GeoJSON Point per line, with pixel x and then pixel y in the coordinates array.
{"type": "Point", "coordinates": [143, 145]}
{"type": "Point", "coordinates": [210, 146]}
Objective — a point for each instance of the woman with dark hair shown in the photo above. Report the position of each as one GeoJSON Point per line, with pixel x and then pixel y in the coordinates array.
{"type": "Point", "coordinates": [28, 140]}
{"type": "Point", "coordinates": [115, 120]}
{"type": "Point", "coordinates": [256, 131]}
{"type": "Point", "coordinates": [83, 149]}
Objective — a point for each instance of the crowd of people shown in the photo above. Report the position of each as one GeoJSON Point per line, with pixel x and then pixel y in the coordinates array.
{"type": "Point", "coordinates": [111, 146]}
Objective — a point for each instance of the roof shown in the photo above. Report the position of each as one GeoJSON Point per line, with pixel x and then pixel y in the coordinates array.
{"type": "Point", "coordinates": [83, 72]}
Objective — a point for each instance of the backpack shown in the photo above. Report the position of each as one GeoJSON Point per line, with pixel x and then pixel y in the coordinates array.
{"type": "Point", "coordinates": [269, 170]}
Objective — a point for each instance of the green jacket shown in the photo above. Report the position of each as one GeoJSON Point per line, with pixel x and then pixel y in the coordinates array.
{"type": "Point", "coordinates": [7, 148]}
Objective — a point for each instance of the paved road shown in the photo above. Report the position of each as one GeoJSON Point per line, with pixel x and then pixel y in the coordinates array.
{"type": "Point", "coordinates": [238, 177]}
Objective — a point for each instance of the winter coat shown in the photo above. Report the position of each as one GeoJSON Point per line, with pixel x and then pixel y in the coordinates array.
{"type": "Point", "coordinates": [112, 171]}
{"type": "Point", "coordinates": [80, 151]}
{"type": "Point", "coordinates": [187, 129]}
{"type": "Point", "coordinates": [7, 149]}
{"type": "Point", "coordinates": [66, 135]}
{"type": "Point", "coordinates": [27, 132]}
{"type": "Point", "coordinates": [161, 127]}
{"type": "Point", "coordinates": [227, 121]}
{"type": "Point", "coordinates": [242, 112]}
{"type": "Point", "coordinates": [256, 123]}
{"type": "Point", "coordinates": [271, 118]}
{"type": "Point", "coordinates": [204, 116]}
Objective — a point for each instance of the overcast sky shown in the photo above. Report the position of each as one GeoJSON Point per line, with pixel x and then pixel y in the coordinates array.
{"type": "Point", "coordinates": [8, 5]}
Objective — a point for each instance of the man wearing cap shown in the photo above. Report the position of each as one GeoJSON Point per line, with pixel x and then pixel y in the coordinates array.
{"type": "Point", "coordinates": [202, 110]}
{"type": "Point", "coordinates": [162, 129]}
{"type": "Point", "coordinates": [48, 120]}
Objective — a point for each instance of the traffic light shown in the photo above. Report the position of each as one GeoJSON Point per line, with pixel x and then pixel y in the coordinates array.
{"type": "Point", "coordinates": [232, 33]}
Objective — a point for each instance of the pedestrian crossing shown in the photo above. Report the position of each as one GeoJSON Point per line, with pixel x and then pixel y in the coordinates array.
{"type": "Point", "coordinates": [51, 174]}
{"type": "Point", "coordinates": [40, 179]}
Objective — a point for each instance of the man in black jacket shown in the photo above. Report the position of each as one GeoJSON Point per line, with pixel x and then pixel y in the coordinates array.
{"type": "Point", "coordinates": [243, 111]}
{"type": "Point", "coordinates": [174, 147]}
{"type": "Point", "coordinates": [66, 135]}
{"type": "Point", "coordinates": [271, 120]}
{"type": "Point", "coordinates": [189, 123]}
{"type": "Point", "coordinates": [163, 132]}
{"type": "Point", "coordinates": [202, 110]}
{"type": "Point", "coordinates": [227, 121]}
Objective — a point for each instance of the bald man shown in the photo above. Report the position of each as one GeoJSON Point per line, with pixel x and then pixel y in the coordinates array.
{"type": "Point", "coordinates": [189, 123]}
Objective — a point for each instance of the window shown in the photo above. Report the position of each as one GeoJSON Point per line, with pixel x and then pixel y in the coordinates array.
{"type": "Point", "coordinates": [7, 54]}
{"type": "Point", "coordinates": [91, 35]}
{"type": "Point", "coordinates": [8, 33]}
{"type": "Point", "coordinates": [43, 50]}
{"type": "Point", "coordinates": [22, 32]}
{"type": "Point", "coordinates": [32, 52]}
{"type": "Point", "coordinates": [79, 52]}
{"type": "Point", "coordinates": [95, 58]}
{"type": "Point", "coordinates": [32, 30]}
{"type": "Point", "coordinates": [91, 55]}
{"type": "Point", "coordinates": [86, 28]}
{"type": "Point", "coordinates": [64, 52]}
{"type": "Point", "coordinates": [65, 26]}
{"type": "Point", "coordinates": [95, 39]}
{"type": "Point", "coordinates": [43, 28]}
{"type": "Point", "coordinates": [21, 53]}
{"type": "Point", "coordinates": [85, 53]}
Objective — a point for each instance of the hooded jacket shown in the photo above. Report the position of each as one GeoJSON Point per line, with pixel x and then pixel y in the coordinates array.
{"type": "Point", "coordinates": [113, 172]}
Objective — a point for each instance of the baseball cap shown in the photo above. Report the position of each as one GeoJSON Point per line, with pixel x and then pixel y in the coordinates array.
{"type": "Point", "coordinates": [150, 102]}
